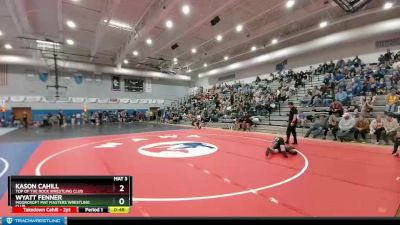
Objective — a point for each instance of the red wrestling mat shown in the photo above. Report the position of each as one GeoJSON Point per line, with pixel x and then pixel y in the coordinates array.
{"type": "Point", "coordinates": [222, 173]}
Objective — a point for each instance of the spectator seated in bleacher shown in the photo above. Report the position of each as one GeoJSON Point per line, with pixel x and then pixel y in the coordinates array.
{"type": "Point", "coordinates": [346, 128]}
{"type": "Point", "coordinates": [391, 125]}
{"type": "Point", "coordinates": [306, 101]}
{"type": "Point", "coordinates": [356, 87]}
{"type": "Point", "coordinates": [342, 97]}
{"type": "Point", "coordinates": [320, 125]}
{"type": "Point", "coordinates": [367, 103]}
{"type": "Point", "coordinates": [377, 127]}
{"type": "Point", "coordinates": [392, 100]}
{"type": "Point", "coordinates": [333, 126]}
{"type": "Point", "coordinates": [361, 127]}
{"type": "Point", "coordinates": [336, 107]}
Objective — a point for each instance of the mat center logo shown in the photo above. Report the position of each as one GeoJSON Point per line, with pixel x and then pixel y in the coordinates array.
{"type": "Point", "coordinates": [177, 149]}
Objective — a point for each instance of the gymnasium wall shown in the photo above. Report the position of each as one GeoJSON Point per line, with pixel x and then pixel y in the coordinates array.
{"type": "Point", "coordinates": [365, 49]}
{"type": "Point", "coordinates": [20, 84]}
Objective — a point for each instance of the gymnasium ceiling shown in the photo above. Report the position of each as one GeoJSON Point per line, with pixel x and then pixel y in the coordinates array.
{"type": "Point", "coordinates": [97, 41]}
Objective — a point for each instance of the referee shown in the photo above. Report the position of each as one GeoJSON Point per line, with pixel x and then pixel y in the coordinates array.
{"type": "Point", "coordinates": [291, 129]}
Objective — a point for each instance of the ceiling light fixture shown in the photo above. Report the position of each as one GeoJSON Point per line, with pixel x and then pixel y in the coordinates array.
{"type": "Point", "coordinates": [119, 25]}
{"type": "Point", "coordinates": [253, 48]}
{"type": "Point", "coordinates": [70, 42]}
{"type": "Point", "coordinates": [1, 33]}
{"type": "Point", "coordinates": [274, 41]}
{"type": "Point", "coordinates": [185, 9]}
{"type": "Point", "coordinates": [194, 50]}
{"type": "Point", "coordinates": [239, 28]}
{"type": "Point", "coordinates": [388, 5]}
{"type": "Point", "coordinates": [226, 58]}
{"type": "Point", "coordinates": [290, 3]}
{"type": "Point", "coordinates": [169, 24]}
{"type": "Point", "coordinates": [219, 38]}
{"type": "Point", "coordinates": [323, 24]}
{"type": "Point", "coordinates": [135, 53]}
{"type": "Point", "coordinates": [149, 41]}
{"type": "Point", "coordinates": [175, 60]}
{"type": "Point", "coordinates": [48, 44]}
{"type": "Point", "coordinates": [205, 65]}
{"type": "Point", "coordinates": [71, 24]}
{"type": "Point", "coordinates": [7, 46]}
{"type": "Point", "coordinates": [126, 61]}
{"type": "Point", "coordinates": [189, 71]}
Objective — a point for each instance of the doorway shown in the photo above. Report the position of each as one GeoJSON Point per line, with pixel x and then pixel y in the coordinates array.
{"type": "Point", "coordinates": [19, 113]}
{"type": "Point", "coordinates": [154, 113]}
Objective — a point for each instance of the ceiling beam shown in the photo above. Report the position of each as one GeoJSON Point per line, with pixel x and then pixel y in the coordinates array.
{"type": "Point", "coordinates": [157, 12]}
{"type": "Point", "coordinates": [199, 23]}
{"type": "Point", "coordinates": [109, 9]}
{"type": "Point", "coordinates": [311, 9]}
{"type": "Point", "coordinates": [19, 16]}
{"type": "Point", "coordinates": [60, 20]}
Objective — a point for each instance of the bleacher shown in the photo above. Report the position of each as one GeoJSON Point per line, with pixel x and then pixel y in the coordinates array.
{"type": "Point", "coordinates": [276, 122]}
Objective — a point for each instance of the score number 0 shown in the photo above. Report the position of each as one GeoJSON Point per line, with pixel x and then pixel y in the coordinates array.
{"type": "Point", "coordinates": [121, 189]}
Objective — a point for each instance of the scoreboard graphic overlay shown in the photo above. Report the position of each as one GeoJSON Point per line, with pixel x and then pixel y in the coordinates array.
{"type": "Point", "coordinates": [70, 194]}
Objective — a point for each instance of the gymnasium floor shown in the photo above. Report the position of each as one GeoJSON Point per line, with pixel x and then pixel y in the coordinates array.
{"type": "Point", "coordinates": [212, 172]}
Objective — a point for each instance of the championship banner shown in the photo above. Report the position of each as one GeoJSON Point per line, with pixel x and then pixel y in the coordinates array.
{"type": "Point", "coordinates": [159, 101]}
{"type": "Point", "coordinates": [134, 101]}
{"type": "Point", "coordinates": [91, 100]}
{"type": "Point", "coordinates": [4, 98]}
{"type": "Point", "coordinates": [44, 77]}
{"type": "Point", "coordinates": [63, 100]}
{"type": "Point", "coordinates": [133, 85]}
{"type": "Point", "coordinates": [143, 101]}
{"type": "Point", "coordinates": [17, 98]}
{"type": "Point", "coordinates": [148, 86]}
{"type": "Point", "coordinates": [33, 98]}
{"type": "Point", "coordinates": [48, 100]}
{"type": "Point", "coordinates": [124, 100]}
{"type": "Point", "coordinates": [78, 79]}
{"type": "Point", "coordinates": [78, 100]}
{"type": "Point", "coordinates": [103, 100]}
{"type": "Point", "coordinates": [114, 100]}
{"type": "Point", "coordinates": [116, 83]}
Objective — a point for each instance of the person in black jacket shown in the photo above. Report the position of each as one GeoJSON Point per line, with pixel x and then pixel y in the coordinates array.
{"type": "Point", "coordinates": [292, 123]}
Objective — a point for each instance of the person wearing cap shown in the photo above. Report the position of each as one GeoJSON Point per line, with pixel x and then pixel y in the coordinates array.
{"type": "Point", "coordinates": [346, 127]}
{"type": "Point", "coordinates": [391, 125]}
{"type": "Point", "coordinates": [362, 127]}
{"type": "Point", "coordinates": [392, 99]}
{"type": "Point", "coordinates": [320, 125]}
{"type": "Point", "coordinates": [291, 129]}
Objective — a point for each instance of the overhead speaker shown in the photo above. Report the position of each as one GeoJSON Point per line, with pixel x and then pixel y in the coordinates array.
{"type": "Point", "coordinates": [175, 46]}
{"type": "Point", "coordinates": [215, 21]}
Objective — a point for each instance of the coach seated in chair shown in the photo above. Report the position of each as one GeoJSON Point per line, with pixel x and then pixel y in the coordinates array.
{"type": "Point", "coordinates": [346, 127]}
{"type": "Point", "coordinates": [319, 126]}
